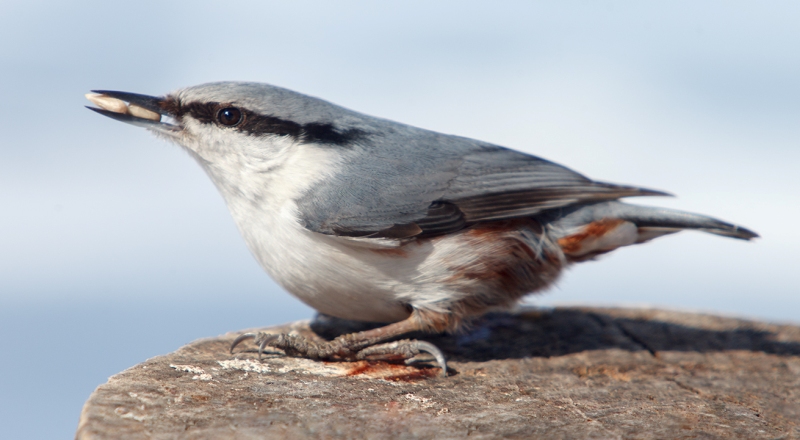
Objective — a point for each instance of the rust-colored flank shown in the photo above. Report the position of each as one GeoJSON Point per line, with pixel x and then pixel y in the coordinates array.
{"type": "Point", "coordinates": [572, 243]}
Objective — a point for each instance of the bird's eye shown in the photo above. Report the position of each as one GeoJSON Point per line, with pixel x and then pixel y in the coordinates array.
{"type": "Point", "coordinates": [229, 116]}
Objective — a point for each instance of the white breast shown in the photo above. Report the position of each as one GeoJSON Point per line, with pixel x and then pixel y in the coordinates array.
{"type": "Point", "coordinates": [331, 275]}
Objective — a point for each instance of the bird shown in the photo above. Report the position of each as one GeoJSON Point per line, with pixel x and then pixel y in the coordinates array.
{"type": "Point", "coordinates": [367, 219]}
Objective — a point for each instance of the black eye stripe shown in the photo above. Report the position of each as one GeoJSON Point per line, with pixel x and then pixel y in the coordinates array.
{"type": "Point", "coordinates": [257, 124]}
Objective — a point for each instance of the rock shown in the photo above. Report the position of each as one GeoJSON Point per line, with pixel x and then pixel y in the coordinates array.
{"type": "Point", "coordinates": [562, 373]}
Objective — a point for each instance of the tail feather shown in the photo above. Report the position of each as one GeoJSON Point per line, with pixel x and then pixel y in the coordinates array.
{"type": "Point", "coordinates": [652, 222]}
{"type": "Point", "coordinates": [646, 234]}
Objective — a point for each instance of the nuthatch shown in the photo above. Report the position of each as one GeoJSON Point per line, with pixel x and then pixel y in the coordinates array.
{"type": "Point", "coordinates": [368, 219]}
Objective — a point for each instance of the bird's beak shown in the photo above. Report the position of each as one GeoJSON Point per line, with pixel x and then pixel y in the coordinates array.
{"type": "Point", "coordinates": [133, 108]}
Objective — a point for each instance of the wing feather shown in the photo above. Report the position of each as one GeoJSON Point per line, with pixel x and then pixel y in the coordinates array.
{"type": "Point", "coordinates": [441, 185]}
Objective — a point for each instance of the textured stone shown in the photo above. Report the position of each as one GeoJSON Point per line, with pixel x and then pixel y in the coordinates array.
{"type": "Point", "coordinates": [563, 373]}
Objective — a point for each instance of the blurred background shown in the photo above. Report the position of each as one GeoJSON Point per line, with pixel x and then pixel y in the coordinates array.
{"type": "Point", "coordinates": [115, 247]}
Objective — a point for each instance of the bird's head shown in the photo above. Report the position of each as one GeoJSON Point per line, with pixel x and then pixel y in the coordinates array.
{"type": "Point", "coordinates": [250, 122]}
{"type": "Point", "coordinates": [249, 137]}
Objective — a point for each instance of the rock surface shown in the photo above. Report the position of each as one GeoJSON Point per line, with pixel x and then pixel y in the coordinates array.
{"type": "Point", "coordinates": [562, 373]}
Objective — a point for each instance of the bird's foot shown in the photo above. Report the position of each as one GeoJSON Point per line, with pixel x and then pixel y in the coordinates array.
{"type": "Point", "coordinates": [406, 349]}
{"type": "Point", "coordinates": [345, 348]}
{"type": "Point", "coordinates": [298, 346]}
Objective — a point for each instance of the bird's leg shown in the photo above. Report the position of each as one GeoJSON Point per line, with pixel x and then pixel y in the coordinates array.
{"type": "Point", "coordinates": [354, 346]}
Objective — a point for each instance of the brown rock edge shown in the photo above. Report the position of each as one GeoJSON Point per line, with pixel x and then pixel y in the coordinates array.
{"type": "Point", "coordinates": [560, 373]}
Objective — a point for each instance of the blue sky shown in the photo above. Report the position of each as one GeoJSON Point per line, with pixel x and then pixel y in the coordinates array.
{"type": "Point", "coordinates": [116, 247]}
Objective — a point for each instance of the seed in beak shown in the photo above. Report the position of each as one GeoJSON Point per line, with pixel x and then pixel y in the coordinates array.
{"type": "Point", "coordinates": [141, 112]}
{"type": "Point", "coordinates": [108, 103]}
{"type": "Point", "coordinates": [119, 106]}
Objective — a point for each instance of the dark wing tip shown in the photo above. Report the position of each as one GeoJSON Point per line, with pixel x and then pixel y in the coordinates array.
{"type": "Point", "coordinates": [631, 191]}
{"type": "Point", "coordinates": [653, 192]}
{"type": "Point", "coordinates": [744, 233]}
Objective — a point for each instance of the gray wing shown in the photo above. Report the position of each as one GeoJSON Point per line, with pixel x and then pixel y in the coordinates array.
{"type": "Point", "coordinates": [414, 183]}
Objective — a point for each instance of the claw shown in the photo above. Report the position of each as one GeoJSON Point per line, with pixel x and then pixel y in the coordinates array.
{"type": "Point", "coordinates": [263, 339]}
{"type": "Point", "coordinates": [261, 348]}
{"type": "Point", "coordinates": [241, 338]}
{"type": "Point", "coordinates": [433, 350]}
{"type": "Point", "coordinates": [406, 348]}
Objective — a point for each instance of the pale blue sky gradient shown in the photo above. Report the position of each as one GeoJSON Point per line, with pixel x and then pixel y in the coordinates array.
{"type": "Point", "coordinates": [116, 247]}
